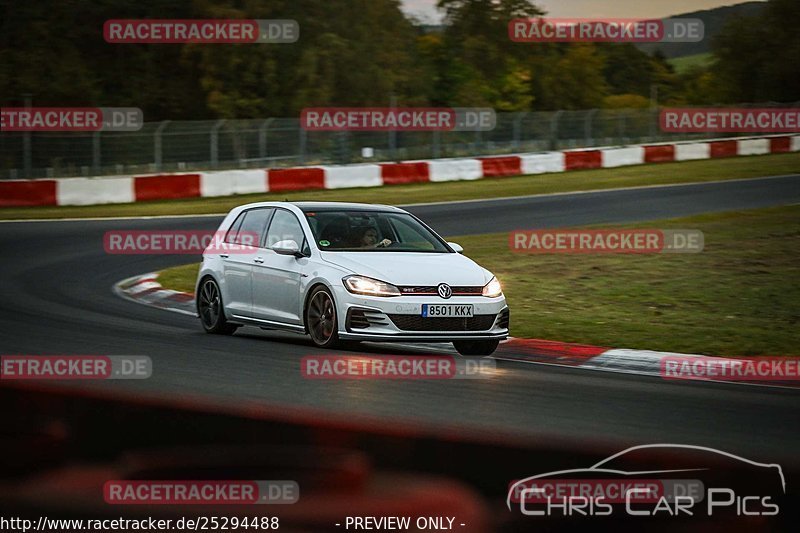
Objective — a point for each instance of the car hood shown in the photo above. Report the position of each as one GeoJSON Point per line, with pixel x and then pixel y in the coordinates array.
{"type": "Point", "coordinates": [408, 268]}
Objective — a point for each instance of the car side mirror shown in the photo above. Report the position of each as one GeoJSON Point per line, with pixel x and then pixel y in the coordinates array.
{"type": "Point", "coordinates": [456, 247]}
{"type": "Point", "coordinates": [286, 248]}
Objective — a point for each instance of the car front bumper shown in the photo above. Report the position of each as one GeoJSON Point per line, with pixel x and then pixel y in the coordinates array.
{"type": "Point", "coordinates": [399, 318]}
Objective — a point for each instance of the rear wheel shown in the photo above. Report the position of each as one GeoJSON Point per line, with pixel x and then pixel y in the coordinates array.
{"type": "Point", "coordinates": [482, 348]}
{"type": "Point", "coordinates": [321, 319]}
{"type": "Point", "coordinates": [211, 310]}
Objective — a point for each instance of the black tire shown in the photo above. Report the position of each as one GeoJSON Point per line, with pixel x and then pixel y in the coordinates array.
{"type": "Point", "coordinates": [211, 310]}
{"type": "Point", "coordinates": [321, 319]}
{"type": "Point", "coordinates": [482, 348]}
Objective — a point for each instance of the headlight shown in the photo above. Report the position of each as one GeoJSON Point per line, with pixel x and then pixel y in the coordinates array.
{"type": "Point", "coordinates": [492, 289]}
{"type": "Point", "coordinates": [369, 286]}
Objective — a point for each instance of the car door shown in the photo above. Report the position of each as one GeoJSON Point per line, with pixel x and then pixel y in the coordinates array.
{"type": "Point", "coordinates": [238, 261]}
{"type": "Point", "coordinates": [277, 288]}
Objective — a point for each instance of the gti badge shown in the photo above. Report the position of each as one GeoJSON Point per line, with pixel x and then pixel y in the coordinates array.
{"type": "Point", "coordinates": [444, 290]}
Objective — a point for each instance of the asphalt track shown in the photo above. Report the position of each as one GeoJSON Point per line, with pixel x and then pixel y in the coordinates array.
{"type": "Point", "coordinates": [57, 299]}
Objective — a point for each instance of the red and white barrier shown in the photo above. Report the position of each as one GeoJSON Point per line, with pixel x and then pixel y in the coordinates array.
{"type": "Point", "coordinates": [692, 151]}
{"type": "Point", "coordinates": [113, 190]}
{"type": "Point", "coordinates": [89, 191]}
{"type": "Point", "coordinates": [543, 163]}
{"type": "Point", "coordinates": [228, 182]}
{"type": "Point", "coordinates": [619, 157]}
{"type": "Point", "coordinates": [673, 366]}
{"type": "Point", "coordinates": [754, 147]}
{"type": "Point", "coordinates": [455, 169]}
{"type": "Point", "coordinates": [343, 176]}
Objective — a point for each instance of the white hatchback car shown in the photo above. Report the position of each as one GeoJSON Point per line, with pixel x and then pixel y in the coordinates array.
{"type": "Point", "coordinates": [347, 272]}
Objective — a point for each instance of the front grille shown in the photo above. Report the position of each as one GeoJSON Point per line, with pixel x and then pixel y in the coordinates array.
{"type": "Point", "coordinates": [419, 323]}
{"type": "Point", "coordinates": [430, 290]}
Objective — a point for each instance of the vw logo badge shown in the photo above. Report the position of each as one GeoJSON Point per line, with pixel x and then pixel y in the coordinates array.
{"type": "Point", "coordinates": [444, 290]}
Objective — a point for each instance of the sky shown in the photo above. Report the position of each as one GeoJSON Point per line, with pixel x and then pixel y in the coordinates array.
{"type": "Point", "coordinates": [426, 9]}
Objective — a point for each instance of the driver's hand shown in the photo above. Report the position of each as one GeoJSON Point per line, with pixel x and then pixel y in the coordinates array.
{"type": "Point", "coordinates": [384, 243]}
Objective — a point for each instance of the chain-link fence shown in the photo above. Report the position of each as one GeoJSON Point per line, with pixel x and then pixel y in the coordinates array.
{"type": "Point", "coordinates": [201, 145]}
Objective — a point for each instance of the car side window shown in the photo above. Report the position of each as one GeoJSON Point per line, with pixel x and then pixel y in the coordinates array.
{"type": "Point", "coordinates": [251, 231]}
{"type": "Point", "coordinates": [230, 237]}
{"type": "Point", "coordinates": [285, 227]}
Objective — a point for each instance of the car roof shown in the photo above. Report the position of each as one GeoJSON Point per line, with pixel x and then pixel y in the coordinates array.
{"type": "Point", "coordinates": [344, 206]}
{"type": "Point", "coordinates": [326, 206]}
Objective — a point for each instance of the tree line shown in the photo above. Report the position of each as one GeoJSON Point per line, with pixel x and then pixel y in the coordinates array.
{"type": "Point", "coordinates": [368, 53]}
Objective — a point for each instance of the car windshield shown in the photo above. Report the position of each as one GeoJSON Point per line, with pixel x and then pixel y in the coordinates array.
{"type": "Point", "coordinates": [372, 231]}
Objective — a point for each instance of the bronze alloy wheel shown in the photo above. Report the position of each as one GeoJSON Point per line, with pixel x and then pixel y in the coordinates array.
{"type": "Point", "coordinates": [321, 318]}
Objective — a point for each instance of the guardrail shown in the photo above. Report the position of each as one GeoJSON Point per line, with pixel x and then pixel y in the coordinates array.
{"type": "Point", "coordinates": [92, 191]}
{"type": "Point", "coordinates": [179, 146]}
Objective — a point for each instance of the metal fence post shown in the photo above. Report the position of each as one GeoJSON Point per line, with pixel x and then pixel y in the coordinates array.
{"type": "Point", "coordinates": [393, 133]}
{"type": "Point", "coordinates": [517, 128]}
{"type": "Point", "coordinates": [587, 127]}
{"type": "Point", "coordinates": [262, 138]}
{"type": "Point", "coordinates": [96, 153]}
{"type": "Point", "coordinates": [27, 151]}
{"type": "Point", "coordinates": [215, 143]}
{"type": "Point", "coordinates": [157, 145]}
{"type": "Point", "coordinates": [393, 145]}
{"type": "Point", "coordinates": [437, 143]}
{"type": "Point", "coordinates": [303, 142]}
{"type": "Point", "coordinates": [554, 129]}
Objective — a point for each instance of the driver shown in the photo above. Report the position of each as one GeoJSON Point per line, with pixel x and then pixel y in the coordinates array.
{"type": "Point", "coordinates": [369, 239]}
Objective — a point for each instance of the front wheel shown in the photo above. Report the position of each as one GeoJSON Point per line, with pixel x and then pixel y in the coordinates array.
{"type": "Point", "coordinates": [321, 319]}
{"type": "Point", "coordinates": [211, 310]}
{"type": "Point", "coordinates": [481, 348]}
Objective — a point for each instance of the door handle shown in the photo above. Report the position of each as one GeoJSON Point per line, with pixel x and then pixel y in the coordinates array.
{"type": "Point", "coordinates": [224, 256]}
{"type": "Point", "coordinates": [258, 260]}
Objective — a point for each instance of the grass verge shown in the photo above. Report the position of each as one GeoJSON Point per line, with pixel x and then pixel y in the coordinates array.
{"type": "Point", "coordinates": [740, 296]}
{"type": "Point", "coordinates": [584, 180]}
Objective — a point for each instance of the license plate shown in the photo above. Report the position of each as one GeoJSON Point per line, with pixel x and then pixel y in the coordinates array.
{"type": "Point", "coordinates": [449, 310]}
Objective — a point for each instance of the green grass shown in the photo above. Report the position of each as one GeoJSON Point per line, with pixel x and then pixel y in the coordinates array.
{"type": "Point", "coordinates": [685, 63]}
{"type": "Point", "coordinates": [180, 278]}
{"type": "Point", "coordinates": [740, 296]}
{"type": "Point", "coordinates": [685, 172]}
